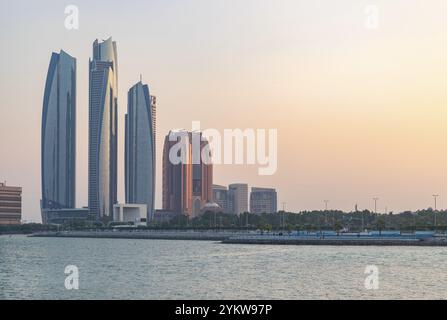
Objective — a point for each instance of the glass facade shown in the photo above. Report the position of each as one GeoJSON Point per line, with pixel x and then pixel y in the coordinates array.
{"type": "Point", "coordinates": [58, 140]}
{"type": "Point", "coordinates": [140, 148]}
{"type": "Point", "coordinates": [103, 131]}
{"type": "Point", "coordinates": [187, 187]}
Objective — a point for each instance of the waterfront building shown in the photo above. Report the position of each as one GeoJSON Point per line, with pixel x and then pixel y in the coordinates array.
{"type": "Point", "coordinates": [187, 186]}
{"type": "Point", "coordinates": [140, 148]}
{"type": "Point", "coordinates": [238, 198]}
{"type": "Point", "coordinates": [103, 130]}
{"type": "Point", "coordinates": [58, 134]}
{"type": "Point", "coordinates": [10, 204]}
{"type": "Point", "coordinates": [263, 200]}
{"type": "Point", "coordinates": [130, 212]}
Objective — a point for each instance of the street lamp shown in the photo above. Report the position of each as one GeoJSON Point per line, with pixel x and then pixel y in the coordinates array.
{"type": "Point", "coordinates": [283, 215]}
{"type": "Point", "coordinates": [375, 209]}
{"type": "Point", "coordinates": [363, 217]}
{"type": "Point", "coordinates": [435, 197]}
{"type": "Point", "coordinates": [325, 210]}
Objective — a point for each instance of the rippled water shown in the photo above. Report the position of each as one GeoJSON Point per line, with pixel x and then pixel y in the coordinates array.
{"type": "Point", "coordinates": [33, 268]}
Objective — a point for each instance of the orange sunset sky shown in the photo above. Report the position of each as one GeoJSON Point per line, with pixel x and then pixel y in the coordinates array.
{"type": "Point", "coordinates": [360, 112]}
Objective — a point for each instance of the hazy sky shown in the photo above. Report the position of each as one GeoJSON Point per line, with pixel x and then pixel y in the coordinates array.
{"type": "Point", "coordinates": [360, 112]}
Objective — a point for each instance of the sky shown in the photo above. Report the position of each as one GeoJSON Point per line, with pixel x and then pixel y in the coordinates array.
{"type": "Point", "coordinates": [360, 111]}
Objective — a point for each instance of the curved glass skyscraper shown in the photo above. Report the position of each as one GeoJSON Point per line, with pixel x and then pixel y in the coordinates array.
{"type": "Point", "coordinates": [140, 148]}
{"type": "Point", "coordinates": [103, 131]}
{"type": "Point", "coordinates": [58, 149]}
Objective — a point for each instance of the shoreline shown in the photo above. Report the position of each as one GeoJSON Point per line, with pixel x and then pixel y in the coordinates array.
{"type": "Point", "coordinates": [238, 238]}
{"type": "Point", "coordinates": [338, 242]}
{"type": "Point", "coordinates": [17, 234]}
{"type": "Point", "coordinates": [199, 236]}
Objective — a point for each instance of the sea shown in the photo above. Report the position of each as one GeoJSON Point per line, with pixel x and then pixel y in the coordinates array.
{"type": "Point", "coordinates": [71, 268]}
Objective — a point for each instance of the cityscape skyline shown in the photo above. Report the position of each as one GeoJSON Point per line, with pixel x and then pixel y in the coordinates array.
{"type": "Point", "coordinates": [375, 119]}
{"type": "Point", "coordinates": [232, 158]}
{"type": "Point", "coordinates": [187, 185]}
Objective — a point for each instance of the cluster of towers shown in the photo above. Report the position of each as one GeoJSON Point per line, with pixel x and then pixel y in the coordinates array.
{"type": "Point", "coordinates": [187, 187]}
{"type": "Point", "coordinates": [58, 149]}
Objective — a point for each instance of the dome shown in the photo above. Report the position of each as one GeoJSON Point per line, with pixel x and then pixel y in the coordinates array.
{"type": "Point", "coordinates": [211, 206]}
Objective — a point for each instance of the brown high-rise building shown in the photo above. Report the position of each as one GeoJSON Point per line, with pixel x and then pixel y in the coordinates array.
{"type": "Point", "coordinates": [187, 185]}
{"type": "Point", "coordinates": [10, 204]}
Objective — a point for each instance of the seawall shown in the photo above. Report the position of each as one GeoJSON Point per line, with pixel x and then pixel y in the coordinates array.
{"type": "Point", "coordinates": [244, 238]}
{"type": "Point", "coordinates": [333, 242]}
{"type": "Point", "coordinates": [209, 236]}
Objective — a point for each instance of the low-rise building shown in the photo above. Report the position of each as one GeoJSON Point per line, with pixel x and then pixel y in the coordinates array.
{"type": "Point", "coordinates": [130, 212]}
{"type": "Point", "coordinates": [66, 216]}
{"type": "Point", "coordinates": [10, 204]}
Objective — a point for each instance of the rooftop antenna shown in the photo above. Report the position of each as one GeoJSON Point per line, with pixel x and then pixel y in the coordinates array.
{"type": "Point", "coordinates": [141, 77]}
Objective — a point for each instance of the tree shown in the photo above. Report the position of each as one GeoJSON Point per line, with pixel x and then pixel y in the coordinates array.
{"type": "Point", "coordinates": [380, 225]}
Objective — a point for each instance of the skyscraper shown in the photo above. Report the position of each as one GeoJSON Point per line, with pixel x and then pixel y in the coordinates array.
{"type": "Point", "coordinates": [58, 141]}
{"type": "Point", "coordinates": [187, 186]}
{"type": "Point", "coordinates": [238, 198]}
{"type": "Point", "coordinates": [175, 192]}
{"type": "Point", "coordinates": [263, 200]}
{"type": "Point", "coordinates": [140, 148]}
{"type": "Point", "coordinates": [103, 130]}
